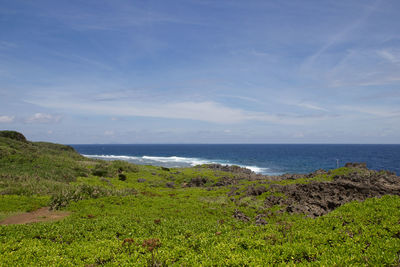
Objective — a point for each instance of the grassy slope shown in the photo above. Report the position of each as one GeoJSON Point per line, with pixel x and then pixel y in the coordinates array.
{"type": "Point", "coordinates": [113, 217]}
{"type": "Point", "coordinates": [29, 168]}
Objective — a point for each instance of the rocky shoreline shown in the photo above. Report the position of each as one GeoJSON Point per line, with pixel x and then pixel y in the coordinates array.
{"type": "Point", "coordinates": [318, 198]}
{"type": "Point", "coordinates": [315, 198]}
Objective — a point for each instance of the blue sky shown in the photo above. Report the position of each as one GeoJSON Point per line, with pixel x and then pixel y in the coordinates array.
{"type": "Point", "coordinates": [191, 71]}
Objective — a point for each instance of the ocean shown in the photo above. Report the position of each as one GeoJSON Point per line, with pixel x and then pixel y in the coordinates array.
{"type": "Point", "coordinates": [269, 159]}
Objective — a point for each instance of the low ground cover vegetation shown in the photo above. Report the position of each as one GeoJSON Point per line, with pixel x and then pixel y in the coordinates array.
{"type": "Point", "coordinates": [125, 214]}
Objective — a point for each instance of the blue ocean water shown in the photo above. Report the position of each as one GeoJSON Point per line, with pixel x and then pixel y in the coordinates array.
{"type": "Point", "coordinates": [270, 159]}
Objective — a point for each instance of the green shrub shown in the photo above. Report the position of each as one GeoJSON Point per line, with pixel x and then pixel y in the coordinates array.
{"type": "Point", "coordinates": [125, 166]}
{"type": "Point", "coordinates": [13, 135]}
{"type": "Point", "coordinates": [75, 193]}
{"type": "Point", "coordinates": [63, 198]}
{"type": "Point", "coordinates": [122, 177]}
{"type": "Point", "coordinates": [102, 170]}
{"type": "Point", "coordinates": [113, 168]}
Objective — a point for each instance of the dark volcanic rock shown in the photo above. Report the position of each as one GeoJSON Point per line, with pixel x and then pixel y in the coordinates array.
{"type": "Point", "coordinates": [272, 201]}
{"type": "Point", "coordinates": [290, 176]}
{"type": "Point", "coordinates": [318, 198]}
{"type": "Point", "coordinates": [237, 214]}
{"type": "Point", "coordinates": [360, 165]}
{"type": "Point", "coordinates": [259, 219]}
{"type": "Point", "coordinates": [317, 172]}
{"type": "Point", "coordinates": [223, 181]}
{"type": "Point", "coordinates": [239, 173]}
{"type": "Point", "coordinates": [170, 185]}
{"type": "Point", "coordinates": [229, 168]}
{"type": "Point", "coordinates": [256, 191]}
{"type": "Point", "coordinates": [234, 191]}
{"type": "Point", "coordinates": [198, 181]}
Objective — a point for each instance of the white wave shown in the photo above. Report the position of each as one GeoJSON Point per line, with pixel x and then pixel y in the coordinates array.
{"type": "Point", "coordinates": [151, 159]}
{"type": "Point", "coordinates": [174, 161]}
{"type": "Point", "coordinates": [191, 161]}
{"type": "Point", "coordinates": [255, 169]}
{"type": "Point", "coordinates": [113, 157]}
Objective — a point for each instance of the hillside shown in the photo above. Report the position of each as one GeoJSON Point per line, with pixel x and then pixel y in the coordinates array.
{"type": "Point", "coordinates": [29, 168]}
{"type": "Point", "coordinates": [125, 214]}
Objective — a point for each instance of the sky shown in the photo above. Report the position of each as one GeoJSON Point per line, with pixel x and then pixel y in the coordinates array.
{"type": "Point", "coordinates": [201, 71]}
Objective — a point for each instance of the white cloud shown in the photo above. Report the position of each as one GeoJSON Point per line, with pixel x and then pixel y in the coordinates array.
{"type": "Point", "coordinates": [390, 55]}
{"type": "Point", "coordinates": [43, 118]}
{"type": "Point", "coordinates": [208, 111]}
{"type": "Point", "coordinates": [246, 98]}
{"type": "Point", "coordinates": [339, 37]}
{"type": "Point", "coordinates": [298, 135]}
{"type": "Point", "coordinates": [375, 111]}
{"type": "Point", "coordinates": [311, 106]}
{"type": "Point", "coordinates": [109, 133]}
{"type": "Point", "coordinates": [360, 67]}
{"type": "Point", "coordinates": [358, 64]}
{"type": "Point", "coordinates": [6, 119]}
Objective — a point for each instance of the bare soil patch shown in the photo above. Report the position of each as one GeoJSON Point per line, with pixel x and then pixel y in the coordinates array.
{"type": "Point", "coordinates": [40, 215]}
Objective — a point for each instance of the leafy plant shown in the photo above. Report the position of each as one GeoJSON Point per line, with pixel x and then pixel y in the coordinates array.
{"type": "Point", "coordinates": [152, 246]}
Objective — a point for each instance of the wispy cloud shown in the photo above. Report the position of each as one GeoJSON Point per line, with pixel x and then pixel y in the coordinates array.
{"type": "Point", "coordinates": [375, 111]}
{"type": "Point", "coordinates": [117, 95]}
{"type": "Point", "coordinates": [339, 37]}
{"type": "Point", "coordinates": [7, 45]}
{"type": "Point", "coordinates": [82, 60]}
{"type": "Point", "coordinates": [364, 67]}
{"type": "Point", "coordinates": [116, 18]}
{"type": "Point", "coordinates": [43, 118]}
{"type": "Point", "coordinates": [207, 111]}
{"type": "Point", "coordinates": [391, 55]}
{"type": "Point", "coordinates": [382, 95]}
{"type": "Point", "coordinates": [311, 106]}
{"type": "Point", "coordinates": [201, 111]}
{"type": "Point", "coordinates": [245, 98]}
{"type": "Point", "coordinates": [6, 119]}
{"type": "Point", "coordinates": [109, 132]}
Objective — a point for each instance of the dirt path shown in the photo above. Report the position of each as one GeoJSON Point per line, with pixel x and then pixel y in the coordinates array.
{"type": "Point", "coordinates": [40, 215]}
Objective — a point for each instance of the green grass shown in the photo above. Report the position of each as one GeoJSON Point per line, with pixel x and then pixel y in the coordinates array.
{"type": "Point", "coordinates": [139, 220]}
{"type": "Point", "coordinates": [197, 232]}
{"type": "Point", "coordinates": [29, 168]}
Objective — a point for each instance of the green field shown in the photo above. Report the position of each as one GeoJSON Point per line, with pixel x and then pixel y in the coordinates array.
{"type": "Point", "coordinates": [126, 215]}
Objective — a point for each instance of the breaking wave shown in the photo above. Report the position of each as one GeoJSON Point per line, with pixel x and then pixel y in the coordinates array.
{"type": "Point", "coordinates": [173, 161]}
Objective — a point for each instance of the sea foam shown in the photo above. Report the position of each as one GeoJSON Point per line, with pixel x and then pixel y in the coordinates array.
{"type": "Point", "coordinates": [173, 161]}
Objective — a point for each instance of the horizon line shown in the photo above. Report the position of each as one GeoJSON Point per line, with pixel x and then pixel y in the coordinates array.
{"type": "Point", "coordinates": [233, 144]}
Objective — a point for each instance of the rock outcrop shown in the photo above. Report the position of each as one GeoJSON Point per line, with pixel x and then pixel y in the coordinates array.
{"type": "Point", "coordinates": [319, 198]}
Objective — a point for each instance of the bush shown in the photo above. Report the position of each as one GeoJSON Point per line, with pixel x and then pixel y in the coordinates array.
{"type": "Point", "coordinates": [125, 166]}
{"type": "Point", "coordinates": [13, 135]}
{"type": "Point", "coordinates": [102, 170]}
{"type": "Point", "coordinates": [76, 193]}
{"type": "Point", "coordinates": [198, 181]}
{"type": "Point", "coordinates": [122, 177]}
{"type": "Point", "coordinates": [113, 168]}
{"type": "Point", "coordinates": [63, 198]}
